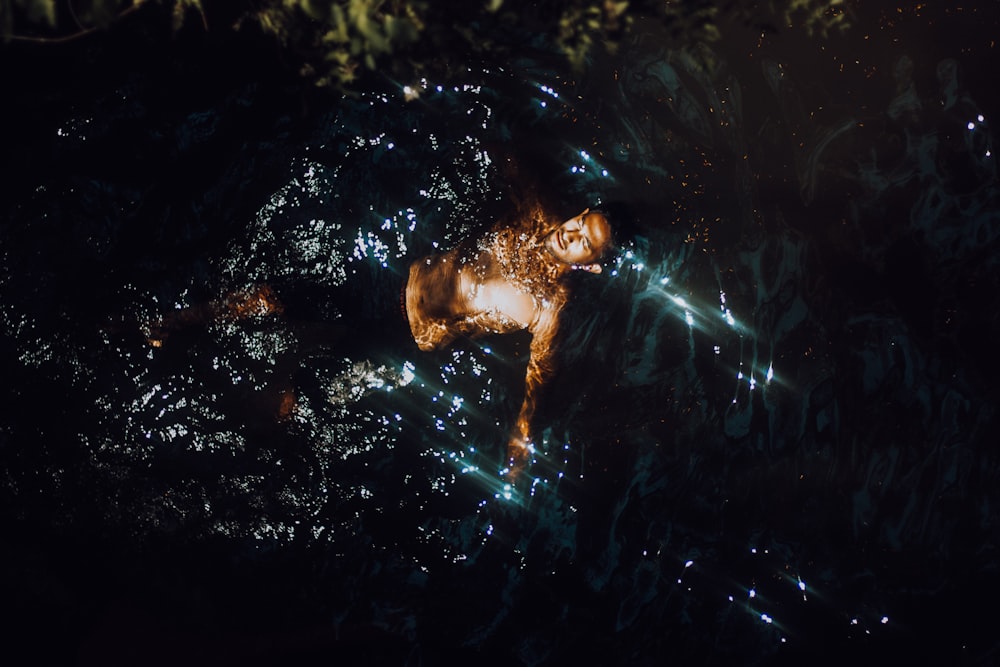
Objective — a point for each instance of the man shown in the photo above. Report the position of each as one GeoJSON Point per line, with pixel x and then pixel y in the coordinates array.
{"type": "Point", "coordinates": [510, 279]}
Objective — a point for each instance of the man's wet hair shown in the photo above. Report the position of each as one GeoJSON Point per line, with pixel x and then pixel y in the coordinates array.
{"type": "Point", "coordinates": [622, 220]}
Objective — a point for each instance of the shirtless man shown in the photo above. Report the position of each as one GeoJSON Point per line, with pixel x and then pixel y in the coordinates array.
{"type": "Point", "coordinates": [508, 280]}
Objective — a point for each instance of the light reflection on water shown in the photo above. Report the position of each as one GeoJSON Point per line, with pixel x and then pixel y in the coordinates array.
{"type": "Point", "coordinates": [706, 403]}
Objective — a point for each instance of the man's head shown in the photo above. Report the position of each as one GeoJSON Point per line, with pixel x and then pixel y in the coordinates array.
{"type": "Point", "coordinates": [581, 240]}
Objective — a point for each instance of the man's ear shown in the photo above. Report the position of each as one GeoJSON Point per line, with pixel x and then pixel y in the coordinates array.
{"type": "Point", "coordinates": [589, 268]}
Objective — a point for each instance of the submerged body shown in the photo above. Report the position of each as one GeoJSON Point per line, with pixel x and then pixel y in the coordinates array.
{"type": "Point", "coordinates": [449, 295]}
{"type": "Point", "coordinates": [507, 281]}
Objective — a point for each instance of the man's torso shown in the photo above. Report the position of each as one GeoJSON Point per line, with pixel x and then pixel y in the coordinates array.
{"type": "Point", "coordinates": [452, 294]}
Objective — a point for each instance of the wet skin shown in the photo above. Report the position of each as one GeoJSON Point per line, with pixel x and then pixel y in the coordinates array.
{"type": "Point", "coordinates": [463, 293]}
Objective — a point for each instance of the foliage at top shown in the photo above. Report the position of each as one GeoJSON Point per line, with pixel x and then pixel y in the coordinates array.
{"type": "Point", "coordinates": [334, 41]}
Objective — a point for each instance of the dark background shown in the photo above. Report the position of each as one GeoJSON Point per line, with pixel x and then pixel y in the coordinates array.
{"type": "Point", "coordinates": [831, 188]}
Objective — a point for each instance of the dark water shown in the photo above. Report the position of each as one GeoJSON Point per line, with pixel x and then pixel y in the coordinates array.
{"type": "Point", "coordinates": [773, 438]}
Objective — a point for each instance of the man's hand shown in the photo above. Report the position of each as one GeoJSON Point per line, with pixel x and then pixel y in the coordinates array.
{"type": "Point", "coordinates": [518, 456]}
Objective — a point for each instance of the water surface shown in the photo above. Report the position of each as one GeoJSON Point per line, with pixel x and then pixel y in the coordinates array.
{"type": "Point", "coordinates": [771, 438]}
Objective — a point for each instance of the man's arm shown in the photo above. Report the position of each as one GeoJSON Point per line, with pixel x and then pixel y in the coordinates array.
{"type": "Point", "coordinates": [432, 334]}
{"type": "Point", "coordinates": [540, 369]}
{"type": "Point", "coordinates": [253, 301]}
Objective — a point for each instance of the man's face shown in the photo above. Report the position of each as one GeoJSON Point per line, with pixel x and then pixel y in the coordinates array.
{"type": "Point", "coordinates": [580, 240]}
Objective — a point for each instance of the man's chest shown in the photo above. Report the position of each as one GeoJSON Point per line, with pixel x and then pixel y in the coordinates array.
{"type": "Point", "coordinates": [515, 308]}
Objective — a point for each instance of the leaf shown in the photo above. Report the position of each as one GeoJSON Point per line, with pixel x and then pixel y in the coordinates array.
{"type": "Point", "coordinates": [339, 22]}
{"type": "Point", "coordinates": [339, 56]}
{"type": "Point", "coordinates": [38, 10]}
{"type": "Point", "coordinates": [181, 9]}
{"type": "Point", "coordinates": [313, 10]}
{"type": "Point", "coordinates": [400, 30]}
{"type": "Point", "coordinates": [615, 9]}
{"type": "Point", "coordinates": [377, 42]}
